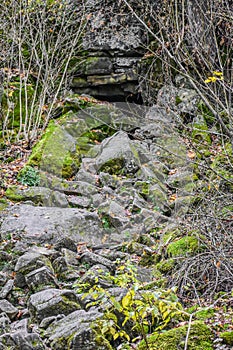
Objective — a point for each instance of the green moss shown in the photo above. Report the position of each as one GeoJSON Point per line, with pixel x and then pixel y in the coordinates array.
{"type": "Point", "coordinates": [73, 305]}
{"type": "Point", "coordinates": [201, 314]}
{"type": "Point", "coordinates": [227, 337]}
{"type": "Point", "coordinates": [114, 166]}
{"type": "Point", "coordinates": [147, 259]}
{"type": "Point", "coordinates": [60, 154]}
{"type": "Point", "coordinates": [53, 153]}
{"type": "Point", "coordinates": [199, 338]}
{"type": "Point", "coordinates": [200, 132]}
{"type": "Point", "coordinates": [143, 187]}
{"type": "Point", "coordinates": [16, 95]}
{"type": "Point", "coordinates": [99, 134]}
{"type": "Point", "coordinates": [183, 246]}
{"type": "Point", "coordinates": [3, 204]}
{"type": "Point", "coordinates": [37, 151]}
{"type": "Point", "coordinates": [204, 314]}
{"type": "Point", "coordinates": [71, 164]}
{"type": "Point", "coordinates": [165, 266]}
{"type": "Point", "coordinates": [12, 194]}
{"type": "Point", "coordinates": [170, 235]}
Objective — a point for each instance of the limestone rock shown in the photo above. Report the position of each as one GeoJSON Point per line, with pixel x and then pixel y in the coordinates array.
{"type": "Point", "coordinates": [52, 302]}
{"type": "Point", "coordinates": [118, 155]}
{"type": "Point", "coordinates": [8, 308]}
{"type": "Point", "coordinates": [46, 225]}
{"type": "Point", "coordinates": [40, 279]}
{"type": "Point", "coordinates": [74, 330]}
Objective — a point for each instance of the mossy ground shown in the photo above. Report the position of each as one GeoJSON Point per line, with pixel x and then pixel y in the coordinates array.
{"type": "Point", "coordinates": [200, 338]}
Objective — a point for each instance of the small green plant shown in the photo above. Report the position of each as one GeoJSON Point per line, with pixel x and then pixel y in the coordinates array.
{"type": "Point", "coordinates": [178, 100]}
{"type": "Point", "coordinates": [29, 176]}
{"type": "Point", "coordinates": [135, 315]}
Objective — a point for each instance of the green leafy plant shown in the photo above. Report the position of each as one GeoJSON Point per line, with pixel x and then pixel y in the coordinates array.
{"type": "Point", "coordinates": [29, 176]}
{"type": "Point", "coordinates": [138, 313]}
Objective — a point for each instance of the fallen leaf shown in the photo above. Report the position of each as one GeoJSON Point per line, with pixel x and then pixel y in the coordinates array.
{"type": "Point", "coordinates": [173, 171]}
{"type": "Point", "coordinates": [191, 154]}
{"type": "Point", "coordinates": [172, 198]}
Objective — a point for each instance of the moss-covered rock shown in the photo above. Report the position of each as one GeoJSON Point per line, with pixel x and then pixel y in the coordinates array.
{"type": "Point", "coordinates": [97, 115]}
{"type": "Point", "coordinates": [171, 151]}
{"type": "Point", "coordinates": [227, 337]}
{"type": "Point", "coordinates": [38, 195]}
{"type": "Point", "coordinates": [200, 338]}
{"type": "Point", "coordinates": [114, 167]}
{"type": "Point", "coordinates": [68, 138]}
{"type": "Point", "coordinates": [3, 204]}
{"type": "Point", "coordinates": [13, 194]}
{"type": "Point", "coordinates": [56, 152]}
{"type": "Point", "coordinates": [165, 266]}
{"type": "Point", "coordinates": [183, 246]}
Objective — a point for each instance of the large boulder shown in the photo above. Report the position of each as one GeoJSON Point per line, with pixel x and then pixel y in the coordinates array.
{"type": "Point", "coordinates": [52, 302]}
{"type": "Point", "coordinates": [47, 224]}
{"type": "Point", "coordinates": [74, 332]}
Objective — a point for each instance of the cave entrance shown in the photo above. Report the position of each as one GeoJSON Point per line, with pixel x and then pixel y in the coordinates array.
{"type": "Point", "coordinates": [128, 98]}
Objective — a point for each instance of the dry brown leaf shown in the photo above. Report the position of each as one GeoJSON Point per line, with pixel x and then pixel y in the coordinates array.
{"type": "Point", "coordinates": [191, 154]}
{"type": "Point", "coordinates": [172, 171]}
{"type": "Point", "coordinates": [172, 198]}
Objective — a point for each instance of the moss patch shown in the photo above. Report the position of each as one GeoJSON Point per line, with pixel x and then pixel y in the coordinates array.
{"type": "Point", "coordinates": [3, 204]}
{"type": "Point", "coordinates": [68, 138]}
{"type": "Point", "coordinates": [199, 338]}
{"type": "Point", "coordinates": [12, 194]}
{"type": "Point", "coordinates": [165, 266]}
{"type": "Point", "coordinates": [114, 166]}
{"type": "Point", "coordinates": [37, 150]}
{"type": "Point", "coordinates": [183, 246]}
{"type": "Point", "coordinates": [227, 337]}
{"type": "Point", "coordinates": [204, 314]}
{"type": "Point", "coordinates": [56, 152]}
